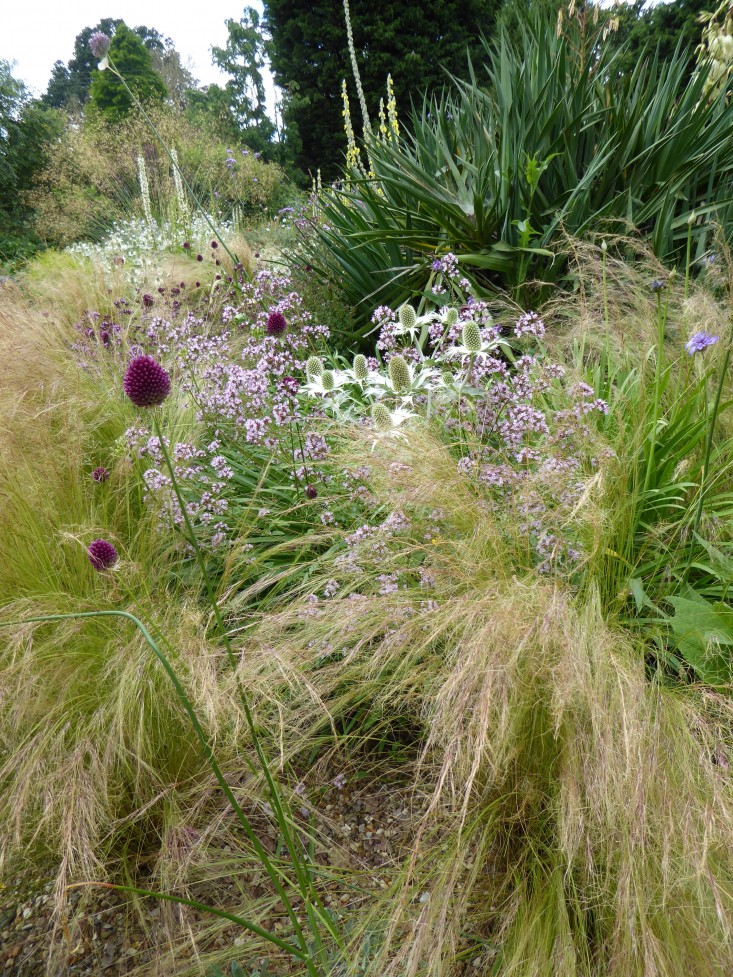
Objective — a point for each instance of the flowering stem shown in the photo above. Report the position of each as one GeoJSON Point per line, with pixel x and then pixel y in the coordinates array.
{"type": "Point", "coordinates": [661, 322]}
{"type": "Point", "coordinates": [279, 804]}
{"type": "Point", "coordinates": [711, 431]}
{"type": "Point", "coordinates": [176, 168]}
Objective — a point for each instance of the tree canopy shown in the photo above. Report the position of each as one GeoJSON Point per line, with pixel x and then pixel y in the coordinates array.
{"type": "Point", "coordinates": [132, 59]}
{"type": "Point", "coordinates": [309, 57]}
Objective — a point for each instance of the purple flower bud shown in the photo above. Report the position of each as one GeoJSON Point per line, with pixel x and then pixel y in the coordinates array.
{"type": "Point", "coordinates": [146, 383]}
{"type": "Point", "coordinates": [276, 324]}
{"type": "Point", "coordinates": [148, 300]}
{"type": "Point", "coordinates": [102, 555]}
{"type": "Point", "coordinates": [311, 492]}
{"type": "Point", "coordinates": [100, 474]}
{"type": "Point", "coordinates": [99, 44]}
{"type": "Point", "coordinates": [199, 257]}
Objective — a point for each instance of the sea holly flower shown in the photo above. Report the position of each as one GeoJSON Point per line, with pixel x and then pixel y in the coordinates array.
{"type": "Point", "coordinates": [102, 555]}
{"type": "Point", "coordinates": [698, 342]}
{"type": "Point", "coordinates": [146, 383]}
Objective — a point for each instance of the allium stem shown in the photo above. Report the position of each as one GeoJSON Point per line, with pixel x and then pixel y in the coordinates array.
{"type": "Point", "coordinates": [279, 804]}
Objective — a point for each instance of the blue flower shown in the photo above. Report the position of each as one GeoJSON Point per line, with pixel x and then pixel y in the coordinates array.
{"type": "Point", "coordinates": [699, 341]}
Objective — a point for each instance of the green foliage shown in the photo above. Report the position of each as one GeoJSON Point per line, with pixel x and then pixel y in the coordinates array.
{"type": "Point", "coordinates": [132, 60]}
{"type": "Point", "coordinates": [662, 26]}
{"type": "Point", "coordinates": [497, 173]}
{"type": "Point", "coordinates": [309, 58]}
{"type": "Point", "coordinates": [243, 59]}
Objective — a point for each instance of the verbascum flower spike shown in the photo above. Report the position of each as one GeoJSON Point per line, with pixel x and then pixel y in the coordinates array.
{"type": "Point", "coordinates": [408, 317]}
{"type": "Point", "coordinates": [471, 336]}
{"type": "Point", "coordinates": [399, 374]}
{"type": "Point", "coordinates": [313, 367]}
{"type": "Point", "coordinates": [361, 369]}
{"type": "Point", "coordinates": [394, 127]}
{"type": "Point", "coordinates": [381, 417]}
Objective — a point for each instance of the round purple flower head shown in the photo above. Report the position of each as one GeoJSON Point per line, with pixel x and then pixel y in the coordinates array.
{"type": "Point", "coordinates": [311, 492]}
{"type": "Point", "coordinates": [146, 383]}
{"type": "Point", "coordinates": [100, 474]}
{"type": "Point", "coordinates": [148, 300]}
{"type": "Point", "coordinates": [102, 555]}
{"type": "Point", "coordinates": [99, 44]}
{"type": "Point", "coordinates": [276, 324]}
{"type": "Point", "coordinates": [699, 341]}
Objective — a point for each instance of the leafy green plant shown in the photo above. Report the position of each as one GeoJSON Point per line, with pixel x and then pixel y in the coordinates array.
{"type": "Point", "coordinates": [555, 139]}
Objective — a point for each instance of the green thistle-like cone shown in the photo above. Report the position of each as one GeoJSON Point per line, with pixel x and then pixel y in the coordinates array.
{"type": "Point", "coordinates": [471, 336]}
{"type": "Point", "coordinates": [382, 417]}
{"type": "Point", "coordinates": [313, 367]}
{"type": "Point", "coordinates": [399, 374]}
{"type": "Point", "coordinates": [451, 317]}
{"type": "Point", "coordinates": [408, 317]}
{"type": "Point", "coordinates": [328, 380]}
{"type": "Point", "coordinates": [361, 370]}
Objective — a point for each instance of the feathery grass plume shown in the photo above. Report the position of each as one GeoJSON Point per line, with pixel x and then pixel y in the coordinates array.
{"type": "Point", "coordinates": [577, 817]}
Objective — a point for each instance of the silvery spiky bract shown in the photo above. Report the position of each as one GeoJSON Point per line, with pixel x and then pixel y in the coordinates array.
{"type": "Point", "coordinates": [408, 317]}
{"type": "Point", "coordinates": [382, 417]}
{"type": "Point", "coordinates": [313, 367]}
{"type": "Point", "coordinates": [361, 368]}
{"type": "Point", "coordinates": [399, 373]}
{"type": "Point", "coordinates": [471, 337]}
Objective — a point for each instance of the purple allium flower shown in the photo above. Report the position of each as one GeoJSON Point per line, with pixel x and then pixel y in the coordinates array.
{"type": "Point", "coordinates": [102, 555]}
{"type": "Point", "coordinates": [100, 474]}
{"type": "Point", "coordinates": [148, 300]}
{"type": "Point", "coordinates": [199, 257]}
{"type": "Point", "coordinates": [214, 244]}
{"type": "Point", "coordinates": [99, 44]}
{"type": "Point", "coordinates": [146, 383]}
{"type": "Point", "coordinates": [276, 324]}
{"type": "Point", "coordinates": [699, 341]}
{"type": "Point", "coordinates": [186, 245]}
{"type": "Point", "coordinates": [311, 492]}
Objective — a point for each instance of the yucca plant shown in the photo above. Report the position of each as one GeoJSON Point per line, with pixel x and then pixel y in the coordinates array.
{"type": "Point", "coordinates": [494, 170]}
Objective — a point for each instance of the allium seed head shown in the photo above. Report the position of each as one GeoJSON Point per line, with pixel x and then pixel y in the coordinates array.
{"type": "Point", "coordinates": [100, 474]}
{"type": "Point", "coordinates": [146, 383]}
{"type": "Point", "coordinates": [382, 417]}
{"type": "Point", "coordinates": [276, 324]}
{"type": "Point", "coordinates": [361, 369]}
{"type": "Point", "coordinates": [408, 317]}
{"type": "Point", "coordinates": [102, 555]}
{"type": "Point", "coordinates": [99, 44]}
{"type": "Point", "coordinates": [471, 336]}
{"type": "Point", "coordinates": [313, 367]}
{"type": "Point", "coordinates": [399, 373]}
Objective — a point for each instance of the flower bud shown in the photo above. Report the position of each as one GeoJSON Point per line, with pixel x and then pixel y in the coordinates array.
{"type": "Point", "coordinates": [381, 417]}
{"type": "Point", "coordinates": [399, 374]}
{"type": "Point", "coordinates": [313, 367]}
{"type": "Point", "coordinates": [361, 370]}
{"type": "Point", "coordinates": [408, 317]}
{"type": "Point", "coordinates": [471, 336]}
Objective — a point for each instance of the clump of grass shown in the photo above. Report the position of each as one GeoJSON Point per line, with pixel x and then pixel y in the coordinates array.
{"type": "Point", "coordinates": [577, 816]}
